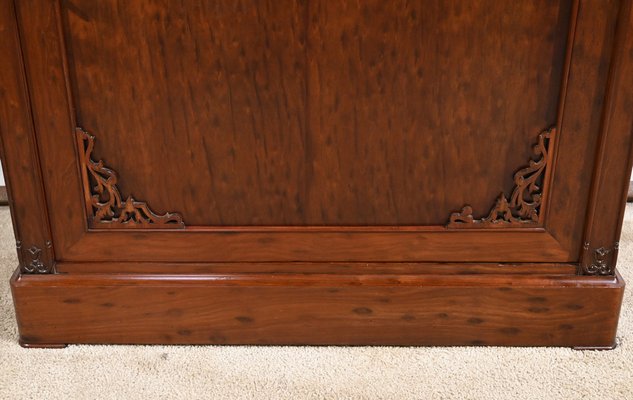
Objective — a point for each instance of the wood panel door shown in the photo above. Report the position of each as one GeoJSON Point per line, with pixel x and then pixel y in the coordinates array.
{"type": "Point", "coordinates": [313, 130]}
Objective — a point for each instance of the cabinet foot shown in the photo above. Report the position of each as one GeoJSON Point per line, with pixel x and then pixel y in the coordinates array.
{"type": "Point", "coordinates": [28, 345]}
{"type": "Point", "coordinates": [595, 348]}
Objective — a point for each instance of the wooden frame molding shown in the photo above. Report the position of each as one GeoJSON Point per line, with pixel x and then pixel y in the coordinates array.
{"type": "Point", "coordinates": [21, 156]}
{"type": "Point", "coordinates": [613, 158]}
{"type": "Point", "coordinates": [522, 210]}
{"type": "Point", "coordinates": [104, 203]}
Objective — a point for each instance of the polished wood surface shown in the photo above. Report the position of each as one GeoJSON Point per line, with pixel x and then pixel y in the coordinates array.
{"type": "Point", "coordinates": [336, 268]}
{"type": "Point", "coordinates": [298, 113]}
{"type": "Point", "coordinates": [47, 32]}
{"type": "Point", "coordinates": [613, 158]}
{"type": "Point", "coordinates": [528, 310]}
{"type": "Point", "coordinates": [20, 162]}
{"type": "Point", "coordinates": [317, 172]}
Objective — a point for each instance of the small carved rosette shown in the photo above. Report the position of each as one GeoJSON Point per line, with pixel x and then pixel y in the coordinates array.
{"type": "Point", "coordinates": [523, 207]}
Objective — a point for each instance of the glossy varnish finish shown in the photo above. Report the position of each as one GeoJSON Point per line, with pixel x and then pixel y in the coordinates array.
{"type": "Point", "coordinates": [297, 113]}
{"type": "Point", "coordinates": [19, 155]}
{"type": "Point", "coordinates": [317, 172]}
{"type": "Point", "coordinates": [321, 309]}
{"type": "Point", "coordinates": [49, 36]}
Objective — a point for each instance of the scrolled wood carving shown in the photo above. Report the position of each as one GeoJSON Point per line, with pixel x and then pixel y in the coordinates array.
{"type": "Point", "coordinates": [522, 209]}
{"type": "Point", "coordinates": [106, 206]}
{"type": "Point", "coordinates": [601, 262]}
{"type": "Point", "coordinates": [32, 262]}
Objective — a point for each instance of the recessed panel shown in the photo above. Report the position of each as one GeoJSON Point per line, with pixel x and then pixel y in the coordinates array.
{"type": "Point", "coordinates": [315, 112]}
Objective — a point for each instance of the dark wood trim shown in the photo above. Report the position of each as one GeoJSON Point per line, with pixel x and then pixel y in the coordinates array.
{"type": "Point", "coordinates": [52, 120]}
{"type": "Point", "coordinates": [20, 154]}
{"type": "Point", "coordinates": [587, 80]}
{"type": "Point", "coordinates": [612, 169]}
{"type": "Point", "coordinates": [318, 309]}
{"type": "Point", "coordinates": [560, 112]}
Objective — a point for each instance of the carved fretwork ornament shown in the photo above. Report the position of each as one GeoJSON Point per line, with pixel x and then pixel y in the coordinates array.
{"type": "Point", "coordinates": [105, 205]}
{"type": "Point", "coordinates": [32, 262]}
{"type": "Point", "coordinates": [523, 207]}
{"type": "Point", "coordinates": [601, 262]}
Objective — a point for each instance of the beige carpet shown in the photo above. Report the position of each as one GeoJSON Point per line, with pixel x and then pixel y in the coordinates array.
{"type": "Point", "coordinates": [211, 372]}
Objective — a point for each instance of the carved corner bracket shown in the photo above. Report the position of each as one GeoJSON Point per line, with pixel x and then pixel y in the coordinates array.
{"type": "Point", "coordinates": [599, 261]}
{"type": "Point", "coordinates": [105, 205]}
{"type": "Point", "coordinates": [523, 207]}
{"type": "Point", "coordinates": [33, 259]}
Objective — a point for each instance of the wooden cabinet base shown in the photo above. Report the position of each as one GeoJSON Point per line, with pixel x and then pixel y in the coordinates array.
{"type": "Point", "coordinates": [318, 309]}
{"type": "Point", "coordinates": [317, 172]}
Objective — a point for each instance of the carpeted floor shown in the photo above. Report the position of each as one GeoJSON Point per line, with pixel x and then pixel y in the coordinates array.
{"type": "Point", "coordinates": [245, 372]}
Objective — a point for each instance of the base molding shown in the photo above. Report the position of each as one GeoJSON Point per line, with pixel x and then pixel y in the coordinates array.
{"type": "Point", "coordinates": [318, 309]}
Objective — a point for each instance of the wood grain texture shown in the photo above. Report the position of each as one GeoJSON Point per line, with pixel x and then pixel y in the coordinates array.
{"type": "Point", "coordinates": [394, 86]}
{"type": "Point", "coordinates": [317, 245]}
{"type": "Point", "coordinates": [522, 208]}
{"type": "Point", "coordinates": [223, 86]}
{"type": "Point", "coordinates": [614, 155]}
{"type": "Point", "coordinates": [42, 23]}
{"type": "Point", "coordinates": [580, 114]}
{"type": "Point", "coordinates": [53, 119]}
{"type": "Point", "coordinates": [336, 268]}
{"type": "Point", "coordinates": [315, 150]}
{"type": "Point", "coordinates": [19, 153]}
{"type": "Point", "coordinates": [316, 113]}
{"type": "Point", "coordinates": [105, 206]}
{"type": "Point", "coordinates": [318, 309]}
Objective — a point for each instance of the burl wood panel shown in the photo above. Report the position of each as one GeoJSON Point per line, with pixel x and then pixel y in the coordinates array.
{"type": "Point", "coordinates": [316, 112]}
{"type": "Point", "coordinates": [318, 309]}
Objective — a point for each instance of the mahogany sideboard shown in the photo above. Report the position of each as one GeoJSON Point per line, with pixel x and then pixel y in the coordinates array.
{"type": "Point", "coordinates": [433, 172]}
